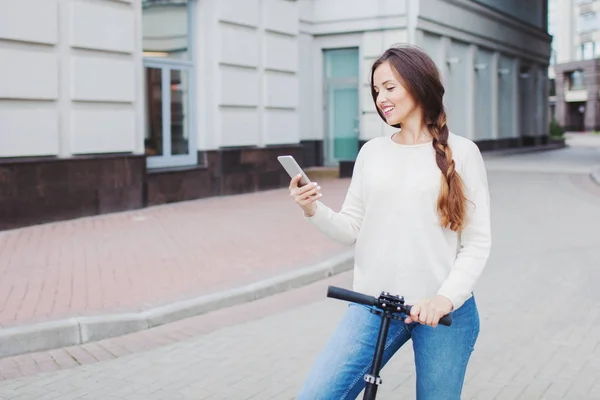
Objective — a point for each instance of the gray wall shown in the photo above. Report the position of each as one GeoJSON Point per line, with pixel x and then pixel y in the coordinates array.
{"type": "Point", "coordinates": [457, 86]}
{"type": "Point", "coordinates": [479, 56]}
{"type": "Point", "coordinates": [483, 94]}
{"type": "Point", "coordinates": [530, 11]}
{"type": "Point", "coordinates": [507, 100]}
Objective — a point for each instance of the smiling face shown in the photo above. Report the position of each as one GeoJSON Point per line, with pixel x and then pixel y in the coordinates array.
{"type": "Point", "coordinates": [393, 100]}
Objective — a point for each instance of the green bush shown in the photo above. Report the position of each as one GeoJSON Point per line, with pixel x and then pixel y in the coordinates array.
{"type": "Point", "coordinates": [556, 131]}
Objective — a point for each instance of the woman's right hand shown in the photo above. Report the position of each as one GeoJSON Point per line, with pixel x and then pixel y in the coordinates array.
{"type": "Point", "coordinates": [305, 196]}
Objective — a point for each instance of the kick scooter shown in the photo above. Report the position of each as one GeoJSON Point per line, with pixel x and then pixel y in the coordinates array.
{"type": "Point", "coordinates": [389, 307]}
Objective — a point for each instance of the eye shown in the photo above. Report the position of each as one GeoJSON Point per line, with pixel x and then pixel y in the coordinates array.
{"type": "Point", "coordinates": [389, 89]}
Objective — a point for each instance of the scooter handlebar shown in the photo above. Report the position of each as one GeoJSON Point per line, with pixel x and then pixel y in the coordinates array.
{"type": "Point", "coordinates": [355, 297]}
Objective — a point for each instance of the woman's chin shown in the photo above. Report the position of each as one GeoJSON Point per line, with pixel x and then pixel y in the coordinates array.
{"type": "Point", "coordinates": [391, 121]}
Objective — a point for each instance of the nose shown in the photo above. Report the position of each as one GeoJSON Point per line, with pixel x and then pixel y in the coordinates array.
{"type": "Point", "coordinates": [381, 99]}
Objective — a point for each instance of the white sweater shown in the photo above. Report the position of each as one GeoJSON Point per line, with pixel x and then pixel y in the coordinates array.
{"type": "Point", "coordinates": [390, 213]}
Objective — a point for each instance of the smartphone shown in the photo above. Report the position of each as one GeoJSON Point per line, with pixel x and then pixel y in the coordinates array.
{"type": "Point", "coordinates": [292, 168]}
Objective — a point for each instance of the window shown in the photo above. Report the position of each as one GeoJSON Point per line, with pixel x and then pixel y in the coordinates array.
{"type": "Point", "coordinates": [170, 137]}
{"type": "Point", "coordinates": [575, 80]}
{"type": "Point", "coordinates": [587, 22]}
{"type": "Point", "coordinates": [587, 51]}
{"type": "Point", "coordinates": [551, 87]}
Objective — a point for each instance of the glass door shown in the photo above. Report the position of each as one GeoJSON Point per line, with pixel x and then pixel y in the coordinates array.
{"type": "Point", "coordinates": [168, 40]}
{"type": "Point", "coordinates": [168, 120]}
{"type": "Point", "coordinates": [341, 105]}
{"type": "Point", "coordinates": [343, 123]}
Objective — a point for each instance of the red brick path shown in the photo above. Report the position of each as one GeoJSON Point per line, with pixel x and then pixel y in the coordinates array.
{"type": "Point", "coordinates": [136, 260]}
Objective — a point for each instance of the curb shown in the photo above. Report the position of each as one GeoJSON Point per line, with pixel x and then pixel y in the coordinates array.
{"type": "Point", "coordinates": [79, 330]}
{"type": "Point", "coordinates": [595, 175]}
{"type": "Point", "coordinates": [525, 150]}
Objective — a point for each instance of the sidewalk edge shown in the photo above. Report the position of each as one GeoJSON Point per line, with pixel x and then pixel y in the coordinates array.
{"type": "Point", "coordinates": [79, 330]}
{"type": "Point", "coordinates": [595, 175]}
{"type": "Point", "coordinates": [524, 150]}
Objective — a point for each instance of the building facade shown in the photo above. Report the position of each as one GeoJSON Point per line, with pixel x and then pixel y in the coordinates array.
{"type": "Point", "coordinates": [562, 25]}
{"type": "Point", "coordinates": [112, 105]}
{"type": "Point", "coordinates": [573, 72]}
{"type": "Point", "coordinates": [575, 104]}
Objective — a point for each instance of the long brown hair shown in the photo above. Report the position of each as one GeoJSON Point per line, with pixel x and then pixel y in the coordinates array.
{"type": "Point", "coordinates": [421, 78]}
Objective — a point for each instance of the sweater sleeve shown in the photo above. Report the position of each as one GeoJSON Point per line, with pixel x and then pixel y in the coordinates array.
{"type": "Point", "coordinates": [475, 239]}
{"type": "Point", "coordinates": [343, 226]}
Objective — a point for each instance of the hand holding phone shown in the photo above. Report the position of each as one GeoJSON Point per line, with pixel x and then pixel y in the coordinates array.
{"type": "Point", "coordinates": [304, 192]}
{"type": "Point", "coordinates": [292, 168]}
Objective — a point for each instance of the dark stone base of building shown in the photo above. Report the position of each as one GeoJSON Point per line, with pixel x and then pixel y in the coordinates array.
{"type": "Point", "coordinates": [513, 143]}
{"type": "Point", "coordinates": [40, 190]}
{"type": "Point", "coordinates": [313, 153]}
{"type": "Point", "coordinates": [227, 171]}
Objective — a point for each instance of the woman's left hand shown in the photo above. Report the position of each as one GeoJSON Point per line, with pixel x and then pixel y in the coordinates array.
{"type": "Point", "coordinates": [429, 311]}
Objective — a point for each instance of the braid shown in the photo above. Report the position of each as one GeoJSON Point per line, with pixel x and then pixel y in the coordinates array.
{"type": "Point", "coordinates": [451, 204]}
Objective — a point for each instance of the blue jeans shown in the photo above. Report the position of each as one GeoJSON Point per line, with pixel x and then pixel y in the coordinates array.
{"type": "Point", "coordinates": [441, 354]}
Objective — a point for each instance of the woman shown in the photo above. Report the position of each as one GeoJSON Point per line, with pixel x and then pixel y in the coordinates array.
{"type": "Point", "coordinates": [417, 209]}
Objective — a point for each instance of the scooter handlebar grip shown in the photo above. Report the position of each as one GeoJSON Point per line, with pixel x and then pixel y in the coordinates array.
{"type": "Point", "coordinates": [349, 295]}
{"type": "Point", "coordinates": [446, 320]}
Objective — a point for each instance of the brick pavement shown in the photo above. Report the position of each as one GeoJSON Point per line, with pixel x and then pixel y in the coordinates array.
{"type": "Point", "coordinates": [538, 300]}
{"type": "Point", "coordinates": [135, 260]}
